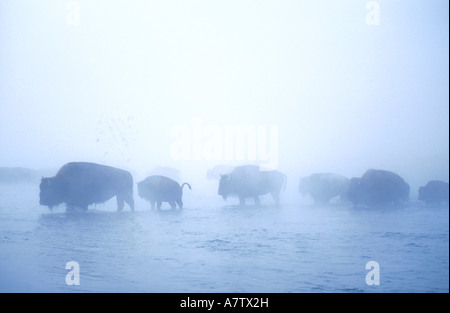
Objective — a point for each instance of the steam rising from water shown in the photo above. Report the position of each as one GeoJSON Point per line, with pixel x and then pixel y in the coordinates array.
{"type": "Point", "coordinates": [108, 83]}
{"type": "Point", "coordinates": [301, 86]}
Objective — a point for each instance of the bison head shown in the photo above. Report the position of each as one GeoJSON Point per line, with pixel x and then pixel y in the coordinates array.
{"type": "Point", "coordinates": [50, 193]}
{"type": "Point", "coordinates": [224, 186]}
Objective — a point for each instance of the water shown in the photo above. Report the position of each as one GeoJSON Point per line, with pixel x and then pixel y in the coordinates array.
{"type": "Point", "coordinates": [215, 246]}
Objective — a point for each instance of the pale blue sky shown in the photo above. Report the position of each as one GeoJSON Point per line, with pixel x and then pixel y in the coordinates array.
{"type": "Point", "coordinates": [344, 95]}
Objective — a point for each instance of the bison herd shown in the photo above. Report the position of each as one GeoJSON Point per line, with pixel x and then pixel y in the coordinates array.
{"type": "Point", "coordinates": [80, 184]}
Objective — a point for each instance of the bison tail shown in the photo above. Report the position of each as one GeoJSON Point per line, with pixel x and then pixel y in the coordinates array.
{"type": "Point", "coordinates": [187, 185]}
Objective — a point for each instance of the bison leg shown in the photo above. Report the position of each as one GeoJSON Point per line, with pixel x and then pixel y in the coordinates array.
{"type": "Point", "coordinates": [180, 203]}
{"type": "Point", "coordinates": [172, 205]}
{"type": "Point", "coordinates": [121, 199]}
{"type": "Point", "coordinates": [153, 204]}
{"type": "Point", "coordinates": [120, 203]}
{"type": "Point", "coordinates": [276, 197]}
{"type": "Point", "coordinates": [159, 203]}
{"type": "Point", "coordinates": [257, 200]}
{"type": "Point", "coordinates": [242, 201]}
{"type": "Point", "coordinates": [130, 201]}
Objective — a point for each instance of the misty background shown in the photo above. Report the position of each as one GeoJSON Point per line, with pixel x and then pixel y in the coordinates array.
{"type": "Point", "coordinates": [346, 96]}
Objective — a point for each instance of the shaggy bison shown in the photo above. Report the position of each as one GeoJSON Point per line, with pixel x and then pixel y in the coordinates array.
{"type": "Point", "coordinates": [434, 192]}
{"type": "Point", "coordinates": [324, 186]}
{"type": "Point", "coordinates": [249, 182]}
{"type": "Point", "coordinates": [378, 187]}
{"type": "Point", "coordinates": [157, 189]}
{"type": "Point", "coordinates": [80, 184]}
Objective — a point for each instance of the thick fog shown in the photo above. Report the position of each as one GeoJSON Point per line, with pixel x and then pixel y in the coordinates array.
{"type": "Point", "coordinates": [191, 88]}
{"type": "Point", "coordinates": [307, 86]}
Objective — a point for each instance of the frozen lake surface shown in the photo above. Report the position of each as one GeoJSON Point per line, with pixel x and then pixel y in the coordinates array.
{"type": "Point", "coordinates": [215, 246]}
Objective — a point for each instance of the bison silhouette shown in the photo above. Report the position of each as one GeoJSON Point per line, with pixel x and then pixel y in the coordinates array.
{"type": "Point", "coordinates": [324, 186]}
{"type": "Point", "coordinates": [158, 189]}
{"type": "Point", "coordinates": [378, 187]}
{"type": "Point", "coordinates": [434, 192]}
{"type": "Point", "coordinates": [80, 184]}
{"type": "Point", "coordinates": [248, 181]}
